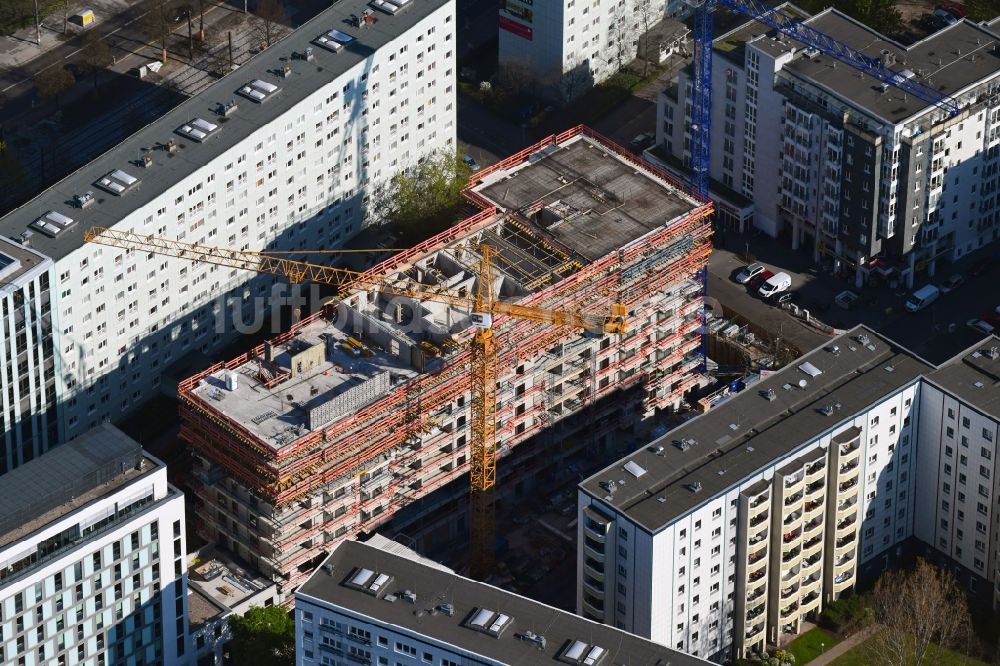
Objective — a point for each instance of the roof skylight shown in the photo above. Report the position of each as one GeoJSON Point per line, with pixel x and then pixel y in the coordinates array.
{"type": "Point", "coordinates": [118, 182]}
{"type": "Point", "coordinates": [198, 129]}
{"type": "Point", "coordinates": [578, 652]}
{"type": "Point", "coordinates": [368, 581]}
{"type": "Point", "coordinates": [487, 621]}
{"type": "Point", "coordinates": [52, 223]}
{"type": "Point", "coordinates": [334, 40]}
{"type": "Point", "coordinates": [258, 90]}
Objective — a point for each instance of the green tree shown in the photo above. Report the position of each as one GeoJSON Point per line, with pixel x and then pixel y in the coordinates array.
{"type": "Point", "coordinates": [983, 10]}
{"type": "Point", "coordinates": [263, 637]}
{"type": "Point", "coordinates": [52, 82]}
{"type": "Point", "coordinates": [425, 198]}
{"type": "Point", "coordinates": [95, 55]}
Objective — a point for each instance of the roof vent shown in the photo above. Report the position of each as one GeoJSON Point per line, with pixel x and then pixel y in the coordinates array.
{"type": "Point", "coordinates": [656, 449]}
{"type": "Point", "coordinates": [685, 444]}
{"type": "Point", "coordinates": [445, 609]}
{"type": "Point", "coordinates": [888, 368]}
{"type": "Point", "coordinates": [327, 568]}
{"type": "Point", "coordinates": [835, 350]}
{"type": "Point", "coordinates": [83, 200]}
{"type": "Point", "coordinates": [993, 352]}
{"type": "Point", "coordinates": [770, 394]}
{"type": "Point", "coordinates": [979, 385]}
{"type": "Point", "coordinates": [408, 595]}
{"type": "Point", "coordinates": [695, 487]}
{"type": "Point", "coordinates": [863, 339]}
{"type": "Point", "coordinates": [533, 638]}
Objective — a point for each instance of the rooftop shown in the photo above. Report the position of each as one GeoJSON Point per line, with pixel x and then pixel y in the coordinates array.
{"type": "Point", "coordinates": [68, 477]}
{"type": "Point", "coordinates": [949, 61]}
{"type": "Point", "coordinates": [732, 44]}
{"type": "Point", "coordinates": [974, 376]}
{"type": "Point", "coordinates": [224, 583]}
{"type": "Point", "coordinates": [202, 608]}
{"type": "Point", "coordinates": [104, 186]}
{"type": "Point", "coordinates": [775, 417]}
{"type": "Point", "coordinates": [16, 261]}
{"type": "Point", "coordinates": [473, 616]}
{"type": "Point", "coordinates": [340, 362]}
{"type": "Point", "coordinates": [586, 197]}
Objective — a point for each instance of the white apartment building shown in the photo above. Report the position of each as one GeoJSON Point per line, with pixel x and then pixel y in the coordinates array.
{"type": "Point", "coordinates": [92, 558]}
{"type": "Point", "coordinates": [279, 155]}
{"type": "Point", "coordinates": [28, 416]}
{"type": "Point", "coordinates": [343, 616]}
{"type": "Point", "coordinates": [870, 181]}
{"type": "Point", "coordinates": [570, 45]}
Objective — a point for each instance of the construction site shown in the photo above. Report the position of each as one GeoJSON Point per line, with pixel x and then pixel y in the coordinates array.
{"type": "Point", "coordinates": [360, 412]}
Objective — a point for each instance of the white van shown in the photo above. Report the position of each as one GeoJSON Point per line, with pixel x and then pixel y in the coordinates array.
{"type": "Point", "coordinates": [922, 297]}
{"type": "Point", "coordinates": [776, 283]}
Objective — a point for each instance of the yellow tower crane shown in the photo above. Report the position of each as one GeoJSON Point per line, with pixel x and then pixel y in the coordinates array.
{"type": "Point", "coordinates": [482, 308]}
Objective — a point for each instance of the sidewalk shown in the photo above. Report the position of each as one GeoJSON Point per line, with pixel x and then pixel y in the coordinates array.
{"type": "Point", "coordinates": [839, 649]}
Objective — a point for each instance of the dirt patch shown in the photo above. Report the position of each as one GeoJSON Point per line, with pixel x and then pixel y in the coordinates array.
{"type": "Point", "coordinates": [913, 10]}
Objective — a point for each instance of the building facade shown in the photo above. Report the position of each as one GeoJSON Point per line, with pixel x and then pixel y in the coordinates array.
{"type": "Point", "coordinates": [873, 183]}
{"type": "Point", "coordinates": [92, 564]}
{"type": "Point", "coordinates": [568, 46]}
{"type": "Point", "coordinates": [341, 618]}
{"type": "Point", "coordinates": [280, 155]}
{"type": "Point", "coordinates": [29, 420]}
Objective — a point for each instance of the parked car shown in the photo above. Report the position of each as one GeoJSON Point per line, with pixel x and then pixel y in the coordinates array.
{"type": "Point", "coordinates": [932, 23]}
{"type": "Point", "coordinates": [980, 325]}
{"type": "Point", "coordinates": [953, 282]}
{"type": "Point", "coordinates": [775, 284]}
{"type": "Point", "coordinates": [781, 298]}
{"type": "Point", "coordinates": [956, 9]}
{"type": "Point", "coordinates": [947, 17]}
{"type": "Point", "coordinates": [760, 279]}
{"type": "Point", "coordinates": [641, 142]}
{"type": "Point", "coordinates": [470, 162]}
{"type": "Point", "coordinates": [922, 297]}
{"type": "Point", "coordinates": [750, 272]}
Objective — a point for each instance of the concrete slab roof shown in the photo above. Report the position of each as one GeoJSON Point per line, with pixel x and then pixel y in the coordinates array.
{"type": "Point", "coordinates": [974, 376]}
{"type": "Point", "coordinates": [948, 61]}
{"type": "Point", "coordinates": [749, 431]}
{"type": "Point", "coordinates": [17, 263]}
{"type": "Point", "coordinates": [434, 586]}
{"type": "Point", "coordinates": [587, 197]}
{"type": "Point", "coordinates": [68, 477]}
{"type": "Point", "coordinates": [167, 169]}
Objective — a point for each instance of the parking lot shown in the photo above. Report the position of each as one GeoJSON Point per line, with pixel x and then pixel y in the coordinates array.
{"type": "Point", "coordinates": [937, 332]}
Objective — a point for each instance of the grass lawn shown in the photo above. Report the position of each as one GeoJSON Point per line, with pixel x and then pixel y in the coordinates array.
{"type": "Point", "coordinates": [938, 657]}
{"type": "Point", "coordinates": [807, 646]}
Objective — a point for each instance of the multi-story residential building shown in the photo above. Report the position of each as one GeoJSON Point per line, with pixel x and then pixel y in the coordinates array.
{"type": "Point", "coordinates": [867, 179]}
{"type": "Point", "coordinates": [568, 46]}
{"type": "Point", "coordinates": [28, 417]}
{"type": "Point", "coordinates": [342, 617]}
{"type": "Point", "coordinates": [721, 537]}
{"type": "Point", "coordinates": [362, 410]}
{"type": "Point", "coordinates": [92, 564]}
{"type": "Point", "coordinates": [279, 155]}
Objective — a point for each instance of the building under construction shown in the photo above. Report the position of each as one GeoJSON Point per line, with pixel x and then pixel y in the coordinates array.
{"type": "Point", "coordinates": [360, 410]}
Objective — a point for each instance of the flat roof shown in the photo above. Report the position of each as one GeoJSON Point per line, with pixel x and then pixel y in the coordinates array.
{"type": "Point", "coordinates": [586, 196]}
{"type": "Point", "coordinates": [754, 428]}
{"type": "Point", "coordinates": [948, 61]}
{"type": "Point", "coordinates": [974, 376]}
{"type": "Point", "coordinates": [435, 586]}
{"type": "Point", "coordinates": [67, 477]}
{"type": "Point", "coordinates": [17, 261]}
{"type": "Point", "coordinates": [202, 608]}
{"type": "Point", "coordinates": [166, 169]}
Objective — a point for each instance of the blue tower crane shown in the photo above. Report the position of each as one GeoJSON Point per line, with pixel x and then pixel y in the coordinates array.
{"type": "Point", "coordinates": [701, 102]}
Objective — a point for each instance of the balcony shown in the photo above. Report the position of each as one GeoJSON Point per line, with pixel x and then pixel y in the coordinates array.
{"type": "Point", "coordinates": [847, 522]}
{"type": "Point", "coordinates": [792, 481]}
{"type": "Point", "coordinates": [847, 485]}
{"type": "Point", "coordinates": [848, 466]}
{"type": "Point", "coordinates": [788, 537]}
{"type": "Point", "coordinates": [812, 525]}
{"type": "Point", "coordinates": [756, 557]}
{"type": "Point", "coordinates": [815, 487]}
{"type": "Point", "coordinates": [756, 594]}
{"type": "Point", "coordinates": [850, 450]}
{"type": "Point", "coordinates": [844, 560]}
{"type": "Point", "coordinates": [816, 468]}
{"type": "Point", "coordinates": [753, 631]}
{"type": "Point", "coordinates": [757, 501]}
{"type": "Point", "coordinates": [790, 555]}
{"type": "Point", "coordinates": [758, 538]}
{"type": "Point", "coordinates": [755, 613]}
{"type": "Point", "coordinates": [846, 504]}
{"type": "Point", "coordinates": [788, 610]}
{"type": "Point", "coordinates": [809, 598]}
{"type": "Point", "coordinates": [757, 520]}
{"type": "Point", "coordinates": [789, 591]}
{"type": "Point", "coordinates": [843, 577]}
{"type": "Point", "coordinates": [792, 499]}
{"type": "Point", "coordinates": [756, 575]}
{"type": "Point", "coordinates": [793, 517]}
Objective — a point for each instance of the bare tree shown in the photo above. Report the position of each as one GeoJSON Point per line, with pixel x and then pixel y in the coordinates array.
{"type": "Point", "coordinates": [95, 55]}
{"type": "Point", "coordinates": [619, 39]}
{"type": "Point", "coordinates": [576, 80]}
{"type": "Point", "coordinates": [647, 15]}
{"type": "Point", "coordinates": [269, 22]}
{"type": "Point", "coordinates": [52, 82]}
{"type": "Point", "coordinates": [516, 77]}
{"type": "Point", "coordinates": [913, 611]}
{"type": "Point", "coordinates": [158, 25]}
{"type": "Point", "coordinates": [202, 6]}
